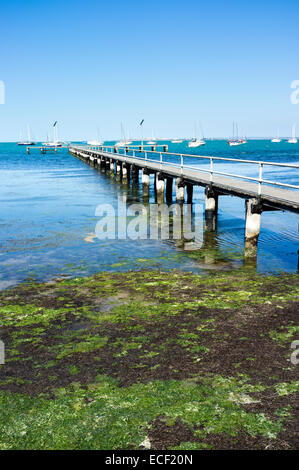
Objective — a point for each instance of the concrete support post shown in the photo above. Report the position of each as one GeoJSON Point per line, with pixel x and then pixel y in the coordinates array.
{"type": "Point", "coordinates": [160, 187]}
{"type": "Point", "coordinates": [111, 166]}
{"type": "Point", "coordinates": [118, 170]}
{"type": "Point", "coordinates": [169, 185]}
{"type": "Point", "coordinates": [189, 187]}
{"type": "Point", "coordinates": [211, 209]}
{"type": "Point", "coordinates": [180, 190]}
{"type": "Point", "coordinates": [145, 182]}
{"type": "Point", "coordinates": [253, 224]}
{"type": "Point", "coordinates": [124, 171]}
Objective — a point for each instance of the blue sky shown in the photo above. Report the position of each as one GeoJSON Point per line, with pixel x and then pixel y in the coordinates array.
{"type": "Point", "coordinates": [92, 64]}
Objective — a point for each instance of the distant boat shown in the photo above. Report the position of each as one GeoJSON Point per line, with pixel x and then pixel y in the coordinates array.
{"type": "Point", "coordinates": [153, 140]}
{"type": "Point", "coordinates": [29, 141]}
{"type": "Point", "coordinates": [124, 142]}
{"type": "Point", "coordinates": [276, 139]}
{"type": "Point", "coordinates": [176, 141]}
{"type": "Point", "coordinates": [55, 143]}
{"type": "Point", "coordinates": [196, 142]}
{"type": "Point", "coordinates": [52, 144]}
{"type": "Point", "coordinates": [96, 142]}
{"type": "Point", "coordinates": [293, 139]}
{"type": "Point", "coordinates": [235, 140]}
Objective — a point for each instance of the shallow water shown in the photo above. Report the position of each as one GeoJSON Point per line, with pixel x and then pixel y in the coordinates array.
{"type": "Point", "coordinates": [47, 218]}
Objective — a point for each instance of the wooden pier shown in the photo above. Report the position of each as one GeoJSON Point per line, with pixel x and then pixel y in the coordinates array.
{"type": "Point", "coordinates": [260, 194]}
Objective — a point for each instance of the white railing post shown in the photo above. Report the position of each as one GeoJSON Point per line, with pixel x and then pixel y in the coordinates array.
{"type": "Point", "coordinates": [260, 178]}
{"type": "Point", "coordinates": [182, 163]}
{"type": "Point", "coordinates": [211, 169]}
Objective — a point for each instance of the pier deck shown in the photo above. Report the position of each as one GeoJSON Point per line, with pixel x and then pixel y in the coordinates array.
{"type": "Point", "coordinates": [270, 196]}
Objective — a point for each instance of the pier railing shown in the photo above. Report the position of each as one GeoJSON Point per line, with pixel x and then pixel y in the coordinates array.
{"type": "Point", "coordinates": [143, 153]}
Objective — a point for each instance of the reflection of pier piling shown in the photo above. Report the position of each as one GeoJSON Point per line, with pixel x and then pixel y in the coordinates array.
{"type": "Point", "coordinates": [260, 195]}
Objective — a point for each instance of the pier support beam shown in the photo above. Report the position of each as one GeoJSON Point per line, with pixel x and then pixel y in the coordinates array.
{"type": "Point", "coordinates": [124, 171]}
{"type": "Point", "coordinates": [180, 190]}
{"type": "Point", "coordinates": [118, 171]}
{"type": "Point", "coordinates": [111, 166]}
{"type": "Point", "coordinates": [252, 226]}
{"type": "Point", "coordinates": [211, 209]}
{"type": "Point", "coordinates": [189, 188]}
{"type": "Point", "coordinates": [145, 181]}
{"type": "Point", "coordinates": [169, 185]}
{"type": "Point", "coordinates": [160, 187]}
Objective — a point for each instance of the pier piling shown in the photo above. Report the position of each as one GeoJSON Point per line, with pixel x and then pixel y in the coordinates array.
{"type": "Point", "coordinates": [145, 181]}
{"type": "Point", "coordinates": [160, 187]}
{"type": "Point", "coordinates": [253, 224]}
{"type": "Point", "coordinates": [180, 190]}
{"type": "Point", "coordinates": [211, 208]}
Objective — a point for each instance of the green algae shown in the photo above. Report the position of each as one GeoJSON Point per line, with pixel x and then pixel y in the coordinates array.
{"type": "Point", "coordinates": [106, 416]}
{"type": "Point", "coordinates": [101, 414]}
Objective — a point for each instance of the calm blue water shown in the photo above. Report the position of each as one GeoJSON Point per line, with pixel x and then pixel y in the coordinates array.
{"type": "Point", "coordinates": [47, 218]}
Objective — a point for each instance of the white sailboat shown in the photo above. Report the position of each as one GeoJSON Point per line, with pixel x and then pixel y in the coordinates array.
{"type": "Point", "coordinates": [55, 143]}
{"type": "Point", "coordinates": [235, 140]}
{"type": "Point", "coordinates": [29, 141]}
{"type": "Point", "coordinates": [293, 139]}
{"type": "Point", "coordinates": [153, 140]}
{"type": "Point", "coordinates": [277, 138]}
{"type": "Point", "coordinates": [176, 141]}
{"type": "Point", "coordinates": [196, 142]}
{"type": "Point", "coordinates": [96, 142]}
{"type": "Point", "coordinates": [124, 142]}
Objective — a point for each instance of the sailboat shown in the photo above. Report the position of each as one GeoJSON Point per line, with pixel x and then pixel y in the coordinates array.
{"type": "Point", "coordinates": [176, 141]}
{"type": "Point", "coordinates": [153, 140]}
{"type": "Point", "coordinates": [235, 140]}
{"type": "Point", "coordinates": [293, 139]}
{"type": "Point", "coordinates": [29, 141]}
{"type": "Point", "coordinates": [96, 142]}
{"type": "Point", "coordinates": [276, 139]}
{"type": "Point", "coordinates": [196, 142]}
{"type": "Point", "coordinates": [123, 142]}
{"type": "Point", "coordinates": [55, 143]}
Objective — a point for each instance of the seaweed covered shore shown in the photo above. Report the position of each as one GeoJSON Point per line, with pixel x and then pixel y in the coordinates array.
{"type": "Point", "coordinates": [150, 359]}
